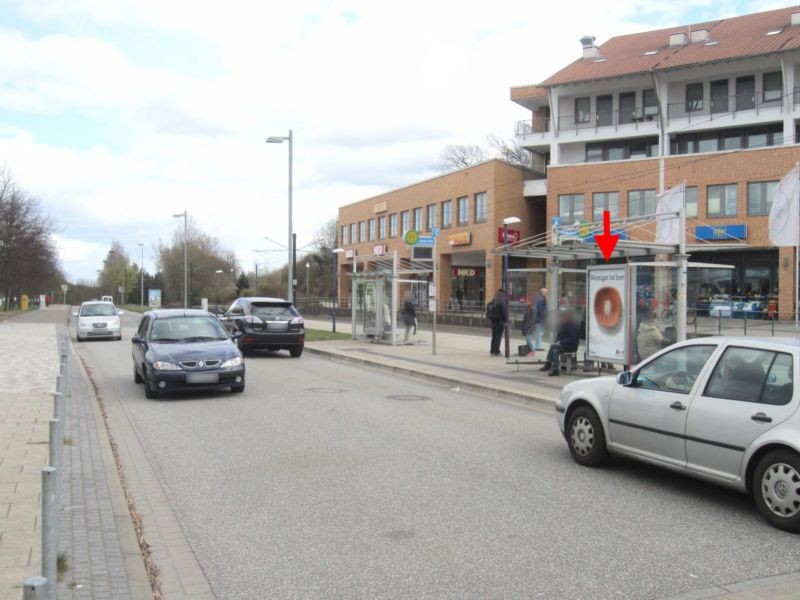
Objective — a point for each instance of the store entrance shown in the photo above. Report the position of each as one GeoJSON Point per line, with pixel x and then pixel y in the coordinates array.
{"type": "Point", "coordinates": [468, 289]}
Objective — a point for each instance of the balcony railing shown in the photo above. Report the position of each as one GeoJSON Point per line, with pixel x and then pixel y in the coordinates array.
{"type": "Point", "coordinates": [715, 107]}
{"type": "Point", "coordinates": [613, 118]}
{"type": "Point", "coordinates": [529, 126]}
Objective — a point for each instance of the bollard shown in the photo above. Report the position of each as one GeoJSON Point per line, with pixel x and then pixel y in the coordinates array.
{"type": "Point", "coordinates": [49, 520]}
{"type": "Point", "coordinates": [56, 453]}
{"type": "Point", "coordinates": [34, 588]}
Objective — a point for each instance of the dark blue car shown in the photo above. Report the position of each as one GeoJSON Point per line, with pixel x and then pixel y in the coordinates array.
{"type": "Point", "coordinates": [178, 350]}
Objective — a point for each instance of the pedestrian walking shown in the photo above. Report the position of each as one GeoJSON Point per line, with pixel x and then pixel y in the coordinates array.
{"type": "Point", "coordinates": [567, 340]}
{"type": "Point", "coordinates": [496, 313]}
{"type": "Point", "coordinates": [409, 315]}
{"type": "Point", "coordinates": [460, 299]}
{"type": "Point", "coordinates": [528, 326]}
{"type": "Point", "coordinates": [540, 317]}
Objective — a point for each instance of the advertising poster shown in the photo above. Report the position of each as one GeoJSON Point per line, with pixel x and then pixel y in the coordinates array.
{"type": "Point", "coordinates": [606, 309]}
{"type": "Point", "coordinates": [154, 298]}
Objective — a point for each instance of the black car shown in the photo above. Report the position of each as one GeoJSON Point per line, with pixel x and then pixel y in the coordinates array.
{"type": "Point", "coordinates": [266, 324]}
{"type": "Point", "coordinates": [177, 350]}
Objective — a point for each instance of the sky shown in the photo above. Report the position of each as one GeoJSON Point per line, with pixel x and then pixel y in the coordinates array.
{"type": "Point", "coordinates": [117, 114]}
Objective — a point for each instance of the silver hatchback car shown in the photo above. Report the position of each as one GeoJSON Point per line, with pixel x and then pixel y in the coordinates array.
{"type": "Point", "coordinates": [719, 408]}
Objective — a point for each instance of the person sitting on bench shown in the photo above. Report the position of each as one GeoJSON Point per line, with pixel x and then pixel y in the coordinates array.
{"type": "Point", "coordinates": [567, 339]}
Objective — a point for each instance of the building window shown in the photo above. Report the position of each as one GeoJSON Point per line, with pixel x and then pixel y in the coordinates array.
{"type": "Point", "coordinates": [353, 238]}
{"type": "Point", "coordinates": [431, 216]}
{"type": "Point", "coordinates": [691, 202]}
{"type": "Point", "coordinates": [728, 139]}
{"type": "Point", "coordinates": [381, 228]}
{"type": "Point", "coordinates": [570, 208]}
{"type": "Point", "coordinates": [447, 213]}
{"type": "Point", "coordinates": [649, 103]}
{"type": "Point", "coordinates": [481, 207]}
{"type": "Point", "coordinates": [723, 200]}
{"type": "Point", "coordinates": [372, 230]}
{"type": "Point", "coordinates": [404, 224]}
{"type": "Point", "coordinates": [463, 210]}
{"type": "Point", "coordinates": [627, 107]}
{"type": "Point", "coordinates": [621, 150]}
{"type": "Point", "coordinates": [773, 86]}
{"type": "Point", "coordinates": [641, 202]}
{"type": "Point", "coordinates": [418, 219]}
{"type": "Point", "coordinates": [759, 197]}
{"type": "Point", "coordinates": [362, 226]}
{"type": "Point", "coordinates": [343, 241]}
{"type": "Point", "coordinates": [594, 152]}
{"type": "Point", "coordinates": [393, 225]}
{"type": "Point", "coordinates": [602, 201]}
{"type": "Point", "coordinates": [694, 97]}
{"type": "Point", "coordinates": [583, 110]}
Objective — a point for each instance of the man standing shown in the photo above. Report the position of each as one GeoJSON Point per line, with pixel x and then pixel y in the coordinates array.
{"type": "Point", "coordinates": [567, 340]}
{"type": "Point", "coordinates": [540, 317]}
{"type": "Point", "coordinates": [496, 313]}
{"type": "Point", "coordinates": [460, 299]}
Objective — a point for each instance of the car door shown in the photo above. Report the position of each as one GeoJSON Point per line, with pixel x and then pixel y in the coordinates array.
{"type": "Point", "coordinates": [138, 350]}
{"type": "Point", "coordinates": [749, 391]}
{"type": "Point", "coordinates": [235, 311]}
{"type": "Point", "coordinates": [648, 417]}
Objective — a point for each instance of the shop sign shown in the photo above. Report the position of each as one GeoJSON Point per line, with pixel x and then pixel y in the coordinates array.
{"type": "Point", "coordinates": [380, 207]}
{"type": "Point", "coordinates": [466, 271]}
{"type": "Point", "coordinates": [514, 235]}
{"type": "Point", "coordinates": [379, 250]}
{"type": "Point", "coordinates": [350, 253]}
{"type": "Point", "coordinates": [721, 232]}
{"type": "Point", "coordinates": [460, 239]}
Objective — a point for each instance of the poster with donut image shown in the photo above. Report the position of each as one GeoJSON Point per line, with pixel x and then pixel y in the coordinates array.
{"type": "Point", "coordinates": [607, 322]}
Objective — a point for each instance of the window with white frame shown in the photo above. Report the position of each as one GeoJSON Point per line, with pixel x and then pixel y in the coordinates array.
{"type": "Point", "coordinates": [404, 225]}
{"type": "Point", "coordinates": [362, 226]}
{"type": "Point", "coordinates": [570, 208]}
{"type": "Point", "coordinates": [602, 201]}
{"type": "Point", "coordinates": [641, 202]}
{"type": "Point", "coordinates": [481, 207]}
{"type": "Point", "coordinates": [353, 238]}
{"type": "Point", "coordinates": [463, 210]}
{"type": "Point", "coordinates": [371, 230]}
{"type": "Point", "coordinates": [691, 202]}
{"type": "Point", "coordinates": [418, 219]}
{"type": "Point", "coordinates": [393, 225]}
{"type": "Point", "coordinates": [722, 200]}
{"type": "Point", "coordinates": [759, 197]}
{"type": "Point", "coordinates": [381, 228]}
{"type": "Point", "coordinates": [431, 216]}
{"type": "Point", "coordinates": [343, 240]}
{"type": "Point", "coordinates": [447, 213]}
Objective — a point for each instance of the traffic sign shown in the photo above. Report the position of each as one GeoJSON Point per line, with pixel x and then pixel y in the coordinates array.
{"type": "Point", "coordinates": [425, 240]}
{"type": "Point", "coordinates": [435, 231]}
{"type": "Point", "coordinates": [411, 237]}
{"type": "Point", "coordinates": [64, 287]}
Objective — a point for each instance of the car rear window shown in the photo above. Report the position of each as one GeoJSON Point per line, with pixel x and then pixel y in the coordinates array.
{"type": "Point", "coordinates": [98, 310]}
{"type": "Point", "coordinates": [275, 310]}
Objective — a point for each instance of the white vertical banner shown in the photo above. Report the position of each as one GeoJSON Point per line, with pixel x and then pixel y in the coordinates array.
{"type": "Point", "coordinates": [784, 216]}
{"type": "Point", "coordinates": [671, 201]}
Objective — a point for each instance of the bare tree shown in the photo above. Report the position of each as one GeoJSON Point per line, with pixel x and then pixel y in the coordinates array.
{"type": "Point", "coordinates": [459, 156]}
{"type": "Point", "coordinates": [509, 150]}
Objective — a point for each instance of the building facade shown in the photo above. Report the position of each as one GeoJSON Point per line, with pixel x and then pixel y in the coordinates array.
{"type": "Point", "coordinates": [712, 104]}
{"type": "Point", "coordinates": [467, 206]}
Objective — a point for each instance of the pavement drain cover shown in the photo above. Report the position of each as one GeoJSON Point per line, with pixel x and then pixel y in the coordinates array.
{"type": "Point", "coordinates": [326, 390]}
{"type": "Point", "coordinates": [407, 397]}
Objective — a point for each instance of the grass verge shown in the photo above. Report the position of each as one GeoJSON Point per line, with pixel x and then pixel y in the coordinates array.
{"type": "Point", "coordinates": [320, 335]}
{"type": "Point", "coordinates": [7, 314]}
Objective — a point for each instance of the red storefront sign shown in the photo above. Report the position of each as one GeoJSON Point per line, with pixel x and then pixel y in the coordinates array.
{"type": "Point", "coordinates": [466, 271]}
{"type": "Point", "coordinates": [514, 235]}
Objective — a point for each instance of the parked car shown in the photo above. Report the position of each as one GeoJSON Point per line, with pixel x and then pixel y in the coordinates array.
{"type": "Point", "coordinates": [97, 320]}
{"type": "Point", "coordinates": [266, 324]}
{"type": "Point", "coordinates": [721, 409]}
{"type": "Point", "coordinates": [185, 349]}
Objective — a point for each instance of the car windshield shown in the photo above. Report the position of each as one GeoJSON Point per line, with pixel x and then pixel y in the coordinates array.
{"type": "Point", "coordinates": [98, 310]}
{"type": "Point", "coordinates": [187, 329]}
{"type": "Point", "coordinates": [273, 310]}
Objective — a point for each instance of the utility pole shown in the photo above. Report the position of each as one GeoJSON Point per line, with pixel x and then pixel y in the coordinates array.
{"type": "Point", "coordinates": [185, 214]}
{"type": "Point", "coordinates": [279, 139]}
{"type": "Point", "coordinates": [141, 277]}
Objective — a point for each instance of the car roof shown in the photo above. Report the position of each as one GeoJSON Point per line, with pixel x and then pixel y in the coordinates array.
{"type": "Point", "coordinates": [168, 313]}
{"type": "Point", "coordinates": [265, 299]}
{"type": "Point", "coordinates": [95, 302]}
{"type": "Point", "coordinates": [783, 342]}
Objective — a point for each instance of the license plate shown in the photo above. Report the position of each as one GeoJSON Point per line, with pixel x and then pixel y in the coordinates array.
{"type": "Point", "coordinates": [202, 378]}
{"type": "Point", "coordinates": [98, 324]}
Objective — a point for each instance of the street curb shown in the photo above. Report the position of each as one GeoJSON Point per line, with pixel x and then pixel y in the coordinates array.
{"type": "Point", "coordinates": [513, 397]}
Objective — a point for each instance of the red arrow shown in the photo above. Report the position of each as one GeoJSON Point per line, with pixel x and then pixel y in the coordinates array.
{"type": "Point", "coordinates": [607, 241]}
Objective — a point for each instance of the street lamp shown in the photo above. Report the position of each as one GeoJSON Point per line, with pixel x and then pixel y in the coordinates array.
{"type": "Point", "coordinates": [308, 266]}
{"type": "Point", "coordinates": [336, 252]}
{"type": "Point", "coordinates": [141, 277]}
{"type": "Point", "coordinates": [216, 286]}
{"type": "Point", "coordinates": [506, 282]}
{"type": "Point", "coordinates": [184, 214]}
{"type": "Point", "coordinates": [278, 139]}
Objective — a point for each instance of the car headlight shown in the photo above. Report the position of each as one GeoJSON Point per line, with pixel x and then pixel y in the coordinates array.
{"type": "Point", "coordinates": [236, 361]}
{"type": "Point", "coordinates": [163, 365]}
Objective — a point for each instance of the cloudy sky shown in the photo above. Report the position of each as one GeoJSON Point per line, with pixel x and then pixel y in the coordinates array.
{"type": "Point", "coordinates": [119, 113]}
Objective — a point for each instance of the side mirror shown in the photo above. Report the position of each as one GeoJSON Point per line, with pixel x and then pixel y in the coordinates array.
{"type": "Point", "coordinates": [120, 312]}
{"type": "Point", "coordinates": [136, 340]}
{"type": "Point", "coordinates": [237, 334]}
{"type": "Point", "coordinates": [74, 314]}
{"type": "Point", "coordinates": [625, 378]}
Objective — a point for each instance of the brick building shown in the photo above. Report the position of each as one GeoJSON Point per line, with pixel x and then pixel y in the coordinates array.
{"type": "Point", "coordinates": [714, 104]}
{"type": "Point", "coordinates": [468, 206]}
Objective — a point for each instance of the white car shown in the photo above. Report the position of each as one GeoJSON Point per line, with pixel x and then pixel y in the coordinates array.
{"type": "Point", "coordinates": [95, 320]}
{"type": "Point", "coordinates": [721, 409]}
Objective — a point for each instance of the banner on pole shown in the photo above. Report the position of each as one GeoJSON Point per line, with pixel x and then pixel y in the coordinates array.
{"type": "Point", "coordinates": [671, 201]}
{"type": "Point", "coordinates": [784, 216]}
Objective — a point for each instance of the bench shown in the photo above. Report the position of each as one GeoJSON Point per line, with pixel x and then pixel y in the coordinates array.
{"type": "Point", "coordinates": [569, 360]}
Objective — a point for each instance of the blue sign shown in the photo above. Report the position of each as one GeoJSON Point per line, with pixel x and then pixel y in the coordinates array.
{"type": "Point", "coordinates": [425, 240]}
{"type": "Point", "coordinates": [721, 232]}
{"type": "Point", "coordinates": [435, 231]}
{"type": "Point", "coordinates": [557, 221]}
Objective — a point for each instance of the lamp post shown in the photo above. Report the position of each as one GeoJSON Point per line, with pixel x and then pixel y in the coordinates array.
{"type": "Point", "coordinates": [216, 286]}
{"type": "Point", "coordinates": [336, 252]}
{"type": "Point", "coordinates": [278, 139]}
{"type": "Point", "coordinates": [506, 281]}
{"type": "Point", "coordinates": [141, 277]}
{"type": "Point", "coordinates": [308, 266]}
{"type": "Point", "coordinates": [184, 214]}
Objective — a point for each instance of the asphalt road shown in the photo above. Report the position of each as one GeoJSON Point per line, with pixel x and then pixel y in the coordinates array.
{"type": "Point", "coordinates": [317, 483]}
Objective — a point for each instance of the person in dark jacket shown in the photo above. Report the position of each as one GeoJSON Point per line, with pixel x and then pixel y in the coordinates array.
{"type": "Point", "coordinates": [527, 328]}
{"type": "Point", "coordinates": [496, 313]}
{"type": "Point", "coordinates": [409, 315]}
{"type": "Point", "coordinates": [567, 340]}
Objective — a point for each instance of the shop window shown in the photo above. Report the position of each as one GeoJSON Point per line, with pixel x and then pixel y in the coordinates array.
{"type": "Point", "coordinates": [641, 202]}
{"type": "Point", "coordinates": [582, 110]}
{"type": "Point", "coordinates": [371, 230]}
{"type": "Point", "coordinates": [418, 219]}
{"type": "Point", "coordinates": [602, 201]}
{"type": "Point", "coordinates": [570, 208]}
{"type": "Point", "coordinates": [481, 207]}
{"type": "Point", "coordinates": [447, 213]}
{"type": "Point", "coordinates": [759, 197]}
{"type": "Point", "coordinates": [772, 84]}
{"type": "Point", "coordinates": [381, 228]}
{"type": "Point", "coordinates": [431, 216]}
{"type": "Point", "coordinates": [722, 200]}
{"type": "Point", "coordinates": [404, 224]}
{"type": "Point", "coordinates": [463, 210]}
{"type": "Point", "coordinates": [694, 97]}
{"type": "Point", "coordinates": [393, 225]}
{"type": "Point", "coordinates": [691, 202]}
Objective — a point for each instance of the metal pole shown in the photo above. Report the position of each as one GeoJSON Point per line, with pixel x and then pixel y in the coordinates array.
{"type": "Point", "coordinates": [49, 520]}
{"type": "Point", "coordinates": [294, 265]}
{"type": "Point", "coordinates": [435, 294]}
{"type": "Point", "coordinates": [141, 276]}
{"type": "Point", "coordinates": [682, 273]}
{"type": "Point", "coordinates": [34, 588]}
{"type": "Point", "coordinates": [55, 450]}
{"type": "Point", "coordinates": [334, 261]}
{"type": "Point", "coordinates": [291, 229]}
{"type": "Point", "coordinates": [394, 299]}
{"type": "Point", "coordinates": [256, 279]}
{"type": "Point", "coordinates": [185, 260]}
{"type": "Point", "coordinates": [353, 296]}
{"type": "Point", "coordinates": [507, 285]}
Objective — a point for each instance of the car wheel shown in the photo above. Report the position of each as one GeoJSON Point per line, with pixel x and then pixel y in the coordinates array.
{"type": "Point", "coordinates": [296, 351]}
{"type": "Point", "coordinates": [149, 392]}
{"type": "Point", "coordinates": [776, 489]}
{"type": "Point", "coordinates": [237, 389]}
{"type": "Point", "coordinates": [119, 337]}
{"type": "Point", "coordinates": [78, 338]}
{"type": "Point", "coordinates": [587, 442]}
{"type": "Point", "coordinates": [136, 377]}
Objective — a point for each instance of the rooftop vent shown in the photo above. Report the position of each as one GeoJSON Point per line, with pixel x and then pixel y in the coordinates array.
{"type": "Point", "coordinates": [589, 49]}
{"type": "Point", "coordinates": [795, 19]}
{"type": "Point", "coordinates": [677, 39]}
{"type": "Point", "coordinates": [700, 35]}
{"type": "Point", "coordinates": [650, 52]}
{"type": "Point", "coordinates": [774, 32]}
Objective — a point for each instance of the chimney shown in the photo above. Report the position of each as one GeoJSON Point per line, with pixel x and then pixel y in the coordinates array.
{"type": "Point", "coordinates": [700, 35]}
{"type": "Point", "coordinates": [677, 39]}
{"type": "Point", "coordinates": [795, 20]}
{"type": "Point", "coordinates": [589, 49]}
